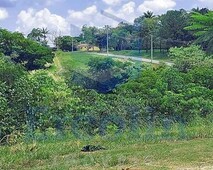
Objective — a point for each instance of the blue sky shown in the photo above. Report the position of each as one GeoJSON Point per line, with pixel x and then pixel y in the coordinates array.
{"type": "Point", "coordinates": [57, 15]}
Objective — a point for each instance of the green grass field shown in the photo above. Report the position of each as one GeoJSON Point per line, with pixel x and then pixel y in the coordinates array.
{"type": "Point", "coordinates": [73, 60]}
{"type": "Point", "coordinates": [157, 54]}
{"type": "Point", "coordinates": [64, 61]}
{"type": "Point", "coordinates": [120, 154]}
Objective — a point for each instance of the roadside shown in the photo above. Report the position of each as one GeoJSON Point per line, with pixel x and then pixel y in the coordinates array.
{"type": "Point", "coordinates": [135, 58]}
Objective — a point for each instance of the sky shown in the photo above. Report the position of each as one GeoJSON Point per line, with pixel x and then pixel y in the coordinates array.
{"type": "Point", "coordinates": [65, 16]}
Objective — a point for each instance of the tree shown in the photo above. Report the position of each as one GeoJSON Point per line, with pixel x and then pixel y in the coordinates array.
{"type": "Point", "coordinates": [27, 52]}
{"type": "Point", "coordinates": [35, 35]}
{"type": "Point", "coordinates": [121, 37]}
{"type": "Point", "coordinates": [146, 26]}
{"type": "Point", "coordinates": [172, 30]}
{"type": "Point", "coordinates": [90, 35]}
{"type": "Point", "coordinates": [149, 14]}
{"type": "Point", "coordinates": [201, 11]}
{"type": "Point", "coordinates": [101, 38]}
{"type": "Point", "coordinates": [202, 27]}
{"type": "Point", "coordinates": [44, 32]}
{"type": "Point", "coordinates": [39, 35]}
{"type": "Point", "coordinates": [65, 43]}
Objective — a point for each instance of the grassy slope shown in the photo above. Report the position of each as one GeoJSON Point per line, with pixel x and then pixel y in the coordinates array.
{"type": "Point", "coordinates": [120, 154]}
{"type": "Point", "coordinates": [75, 61]}
{"type": "Point", "coordinates": [67, 60]}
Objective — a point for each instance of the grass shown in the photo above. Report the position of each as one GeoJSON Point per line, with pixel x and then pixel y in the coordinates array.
{"type": "Point", "coordinates": [66, 154]}
{"type": "Point", "coordinates": [162, 56]}
{"type": "Point", "coordinates": [64, 61]}
{"type": "Point", "coordinates": [73, 60]}
{"type": "Point", "coordinates": [123, 152]}
{"type": "Point", "coordinates": [127, 150]}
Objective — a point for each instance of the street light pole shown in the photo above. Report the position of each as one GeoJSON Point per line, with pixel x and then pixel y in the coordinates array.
{"type": "Point", "coordinates": [151, 48]}
{"type": "Point", "coordinates": [107, 41]}
{"type": "Point", "coordinates": [72, 45]}
{"type": "Point", "coordinates": [71, 36]}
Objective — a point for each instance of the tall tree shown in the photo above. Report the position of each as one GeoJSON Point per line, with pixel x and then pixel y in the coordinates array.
{"type": "Point", "coordinates": [90, 35]}
{"type": "Point", "coordinates": [44, 32]}
{"type": "Point", "coordinates": [39, 35]}
{"type": "Point", "coordinates": [149, 14]}
{"type": "Point", "coordinates": [146, 26]}
{"type": "Point", "coordinates": [172, 28]}
{"type": "Point", "coordinates": [21, 50]}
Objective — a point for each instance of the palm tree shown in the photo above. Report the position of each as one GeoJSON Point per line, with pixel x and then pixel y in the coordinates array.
{"type": "Point", "coordinates": [202, 26]}
{"type": "Point", "coordinates": [149, 14]}
{"type": "Point", "coordinates": [44, 32]}
{"type": "Point", "coordinates": [35, 35]}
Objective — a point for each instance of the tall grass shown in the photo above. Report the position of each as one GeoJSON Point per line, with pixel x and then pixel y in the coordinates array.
{"type": "Point", "coordinates": [152, 146]}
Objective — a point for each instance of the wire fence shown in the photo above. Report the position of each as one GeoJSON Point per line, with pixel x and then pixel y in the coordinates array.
{"type": "Point", "coordinates": [148, 129]}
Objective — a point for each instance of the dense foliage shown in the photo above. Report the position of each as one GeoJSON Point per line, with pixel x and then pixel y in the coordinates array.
{"type": "Point", "coordinates": [37, 102]}
{"type": "Point", "coordinates": [30, 101]}
{"type": "Point", "coordinates": [104, 74]}
{"type": "Point", "coordinates": [29, 53]}
{"type": "Point", "coordinates": [108, 94]}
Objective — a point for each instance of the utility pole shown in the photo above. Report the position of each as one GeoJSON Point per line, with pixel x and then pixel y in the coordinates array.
{"type": "Point", "coordinates": [71, 36]}
{"type": "Point", "coordinates": [107, 40]}
{"type": "Point", "coordinates": [72, 45]}
{"type": "Point", "coordinates": [151, 48]}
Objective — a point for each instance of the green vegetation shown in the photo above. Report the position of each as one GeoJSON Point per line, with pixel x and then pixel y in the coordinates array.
{"type": "Point", "coordinates": [202, 26]}
{"type": "Point", "coordinates": [162, 56]}
{"type": "Point", "coordinates": [121, 153]}
{"type": "Point", "coordinates": [148, 117]}
{"type": "Point", "coordinates": [134, 100]}
{"type": "Point", "coordinates": [30, 54]}
{"type": "Point", "coordinates": [39, 35]}
{"type": "Point", "coordinates": [76, 60]}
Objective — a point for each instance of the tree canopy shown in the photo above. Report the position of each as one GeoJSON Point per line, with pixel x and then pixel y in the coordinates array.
{"type": "Point", "coordinates": [29, 53]}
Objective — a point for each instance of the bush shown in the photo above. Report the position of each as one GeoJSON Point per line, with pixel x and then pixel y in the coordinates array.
{"type": "Point", "coordinates": [187, 58]}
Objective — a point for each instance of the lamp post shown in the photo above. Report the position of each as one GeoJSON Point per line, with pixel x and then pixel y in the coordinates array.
{"type": "Point", "coordinates": [71, 36]}
{"type": "Point", "coordinates": [107, 40]}
{"type": "Point", "coordinates": [151, 48]}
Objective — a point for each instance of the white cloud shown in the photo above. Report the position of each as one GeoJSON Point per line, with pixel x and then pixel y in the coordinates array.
{"type": "Point", "coordinates": [128, 8]}
{"type": "Point", "coordinates": [3, 14]}
{"type": "Point", "coordinates": [29, 19]}
{"type": "Point", "coordinates": [83, 15]}
{"type": "Point", "coordinates": [157, 6]}
{"type": "Point", "coordinates": [126, 12]}
{"type": "Point", "coordinates": [89, 16]}
{"type": "Point", "coordinates": [112, 2]}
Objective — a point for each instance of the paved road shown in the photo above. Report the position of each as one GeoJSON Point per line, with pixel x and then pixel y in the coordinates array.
{"type": "Point", "coordinates": [135, 58]}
